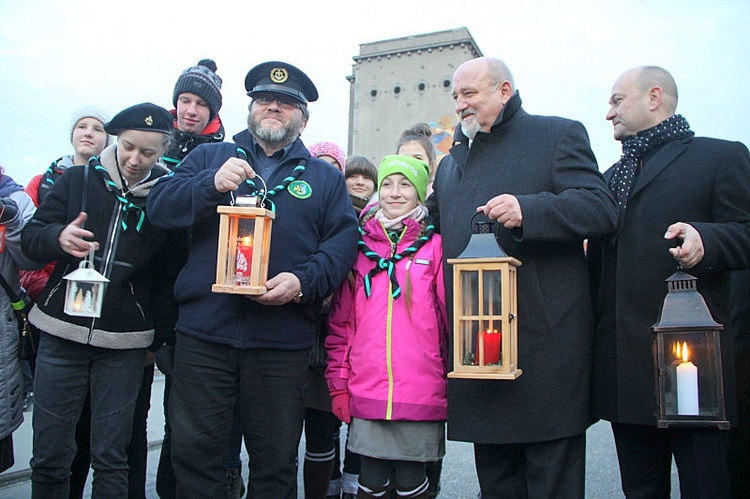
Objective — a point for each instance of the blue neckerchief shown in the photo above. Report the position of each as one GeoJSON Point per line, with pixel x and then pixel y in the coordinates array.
{"type": "Point", "coordinates": [255, 191]}
{"type": "Point", "coordinates": [126, 205]}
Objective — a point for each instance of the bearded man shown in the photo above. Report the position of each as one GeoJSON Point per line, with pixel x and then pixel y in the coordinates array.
{"type": "Point", "coordinates": [537, 178]}
{"type": "Point", "coordinates": [253, 349]}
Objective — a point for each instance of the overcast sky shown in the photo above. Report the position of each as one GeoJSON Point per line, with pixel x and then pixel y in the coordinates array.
{"type": "Point", "coordinates": [58, 56]}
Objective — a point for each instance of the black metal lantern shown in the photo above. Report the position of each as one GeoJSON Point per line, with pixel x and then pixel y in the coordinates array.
{"type": "Point", "coordinates": [687, 359]}
{"type": "Point", "coordinates": [485, 329]}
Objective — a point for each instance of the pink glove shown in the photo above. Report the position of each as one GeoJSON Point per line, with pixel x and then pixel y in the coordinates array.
{"type": "Point", "coordinates": [340, 407]}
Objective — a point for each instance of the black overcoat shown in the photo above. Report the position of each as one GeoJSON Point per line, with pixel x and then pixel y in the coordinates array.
{"type": "Point", "coordinates": [705, 183]}
{"type": "Point", "coordinates": [547, 163]}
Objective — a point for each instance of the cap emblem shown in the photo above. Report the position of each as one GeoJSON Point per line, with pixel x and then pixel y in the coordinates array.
{"type": "Point", "coordinates": [279, 75]}
{"type": "Point", "coordinates": [149, 120]}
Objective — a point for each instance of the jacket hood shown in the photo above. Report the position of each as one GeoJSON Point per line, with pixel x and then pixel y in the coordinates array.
{"type": "Point", "coordinates": [8, 186]}
{"type": "Point", "coordinates": [109, 162]}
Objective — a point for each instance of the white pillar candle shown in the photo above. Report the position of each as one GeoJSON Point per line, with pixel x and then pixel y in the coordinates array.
{"type": "Point", "coordinates": [687, 390]}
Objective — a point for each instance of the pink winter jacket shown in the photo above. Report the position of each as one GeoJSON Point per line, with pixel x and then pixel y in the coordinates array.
{"type": "Point", "coordinates": [391, 361]}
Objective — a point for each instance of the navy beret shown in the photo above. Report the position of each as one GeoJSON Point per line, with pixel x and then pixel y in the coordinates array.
{"type": "Point", "coordinates": [146, 116]}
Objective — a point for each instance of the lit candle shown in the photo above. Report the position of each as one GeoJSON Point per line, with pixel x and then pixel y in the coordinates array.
{"type": "Point", "coordinates": [491, 340]}
{"type": "Point", "coordinates": [78, 301]}
{"type": "Point", "coordinates": [687, 386]}
{"type": "Point", "coordinates": [244, 259]}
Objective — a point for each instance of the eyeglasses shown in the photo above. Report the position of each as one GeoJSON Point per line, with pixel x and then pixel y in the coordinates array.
{"type": "Point", "coordinates": [284, 102]}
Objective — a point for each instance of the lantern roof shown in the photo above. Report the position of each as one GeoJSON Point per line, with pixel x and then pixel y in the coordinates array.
{"type": "Point", "coordinates": [484, 244]}
{"type": "Point", "coordinates": [684, 307]}
{"type": "Point", "coordinates": [86, 275]}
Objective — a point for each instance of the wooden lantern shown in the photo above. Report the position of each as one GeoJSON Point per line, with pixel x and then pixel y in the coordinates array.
{"type": "Point", "coordinates": [485, 327]}
{"type": "Point", "coordinates": [85, 290]}
{"type": "Point", "coordinates": [244, 244]}
{"type": "Point", "coordinates": [687, 359]}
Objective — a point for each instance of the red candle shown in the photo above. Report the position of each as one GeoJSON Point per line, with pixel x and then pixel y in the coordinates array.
{"type": "Point", "coordinates": [244, 259]}
{"type": "Point", "coordinates": [491, 339]}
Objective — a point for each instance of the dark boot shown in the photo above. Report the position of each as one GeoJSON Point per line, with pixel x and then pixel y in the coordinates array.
{"type": "Point", "coordinates": [433, 470]}
{"type": "Point", "coordinates": [235, 485]}
{"type": "Point", "coordinates": [317, 475]}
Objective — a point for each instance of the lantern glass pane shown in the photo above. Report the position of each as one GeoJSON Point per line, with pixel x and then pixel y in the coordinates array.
{"type": "Point", "coordinates": [469, 330]}
{"type": "Point", "coordinates": [691, 369]}
{"type": "Point", "coordinates": [492, 294]}
{"type": "Point", "coordinates": [244, 250]}
{"type": "Point", "coordinates": [83, 299]}
{"type": "Point", "coordinates": [469, 292]}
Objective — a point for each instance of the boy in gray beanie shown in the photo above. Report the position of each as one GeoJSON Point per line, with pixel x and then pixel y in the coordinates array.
{"type": "Point", "coordinates": [197, 101]}
{"type": "Point", "coordinates": [202, 81]}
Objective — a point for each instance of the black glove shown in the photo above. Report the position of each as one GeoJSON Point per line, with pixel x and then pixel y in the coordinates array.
{"type": "Point", "coordinates": [8, 210]}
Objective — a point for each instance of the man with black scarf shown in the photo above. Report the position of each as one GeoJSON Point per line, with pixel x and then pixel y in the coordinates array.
{"type": "Point", "coordinates": [684, 200]}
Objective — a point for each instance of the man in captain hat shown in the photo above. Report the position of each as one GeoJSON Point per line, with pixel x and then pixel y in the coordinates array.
{"type": "Point", "coordinates": [231, 347]}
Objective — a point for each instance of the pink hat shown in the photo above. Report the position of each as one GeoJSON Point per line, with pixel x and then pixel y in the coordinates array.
{"type": "Point", "coordinates": [329, 149]}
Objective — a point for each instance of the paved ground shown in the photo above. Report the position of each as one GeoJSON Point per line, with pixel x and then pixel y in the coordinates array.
{"type": "Point", "coordinates": [458, 479]}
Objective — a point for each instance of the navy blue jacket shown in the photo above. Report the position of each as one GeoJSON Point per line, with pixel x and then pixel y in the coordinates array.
{"type": "Point", "coordinates": [314, 237]}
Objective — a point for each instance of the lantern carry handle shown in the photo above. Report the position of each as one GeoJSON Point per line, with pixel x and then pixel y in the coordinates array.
{"type": "Point", "coordinates": [483, 243]}
{"type": "Point", "coordinates": [88, 262]}
{"type": "Point", "coordinates": [481, 225]}
{"type": "Point", "coordinates": [264, 191]}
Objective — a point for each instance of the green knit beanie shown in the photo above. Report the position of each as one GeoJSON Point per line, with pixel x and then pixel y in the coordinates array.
{"type": "Point", "coordinates": [413, 169]}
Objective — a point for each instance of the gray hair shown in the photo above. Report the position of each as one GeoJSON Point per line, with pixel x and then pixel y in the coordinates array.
{"type": "Point", "coordinates": [499, 72]}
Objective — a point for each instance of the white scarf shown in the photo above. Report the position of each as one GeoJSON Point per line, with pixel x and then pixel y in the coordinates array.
{"type": "Point", "coordinates": [417, 214]}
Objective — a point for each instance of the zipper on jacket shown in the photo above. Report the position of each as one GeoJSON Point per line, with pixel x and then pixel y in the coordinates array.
{"type": "Point", "coordinates": [57, 286]}
{"type": "Point", "coordinates": [135, 299]}
{"type": "Point", "coordinates": [389, 336]}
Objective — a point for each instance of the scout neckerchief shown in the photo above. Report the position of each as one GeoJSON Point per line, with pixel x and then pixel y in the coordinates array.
{"type": "Point", "coordinates": [126, 205]}
{"type": "Point", "coordinates": [255, 191]}
{"type": "Point", "coordinates": [389, 264]}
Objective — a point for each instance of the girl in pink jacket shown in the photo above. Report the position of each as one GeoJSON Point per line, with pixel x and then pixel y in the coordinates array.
{"type": "Point", "coordinates": [387, 343]}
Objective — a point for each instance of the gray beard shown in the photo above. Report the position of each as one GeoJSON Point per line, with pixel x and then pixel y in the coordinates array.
{"type": "Point", "coordinates": [271, 135]}
{"type": "Point", "coordinates": [275, 137]}
{"type": "Point", "coordinates": [470, 131]}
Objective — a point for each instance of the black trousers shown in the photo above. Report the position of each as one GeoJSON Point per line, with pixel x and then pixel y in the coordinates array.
{"type": "Point", "coordinates": [645, 457]}
{"type": "Point", "coordinates": [138, 447]}
{"type": "Point", "coordinates": [207, 381]}
{"type": "Point", "coordinates": [539, 470]}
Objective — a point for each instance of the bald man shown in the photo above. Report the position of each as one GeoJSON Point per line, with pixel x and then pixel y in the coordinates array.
{"type": "Point", "coordinates": [683, 200]}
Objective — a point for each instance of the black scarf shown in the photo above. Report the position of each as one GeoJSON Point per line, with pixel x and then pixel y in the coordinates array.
{"type": "Point", "coordinates": [634, 148]}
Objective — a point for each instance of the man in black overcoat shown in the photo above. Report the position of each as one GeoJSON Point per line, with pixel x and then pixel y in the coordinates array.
{"type": "Point", "coordinates": [536, 176]}
{"type": "Point", "coordinates": [684, 200]}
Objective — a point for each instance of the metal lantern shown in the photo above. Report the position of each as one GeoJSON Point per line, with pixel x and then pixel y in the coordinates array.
{"type": "Point", "coordinates": [244, 242]}
{"type": "Point", "coordinates": [687, 359]}
{"type": "Point", "coordinates": [85, 290]}
{"type": "Point", "coordinates": [485, 328]}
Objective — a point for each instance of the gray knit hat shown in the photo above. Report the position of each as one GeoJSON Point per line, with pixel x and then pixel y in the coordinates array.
{"type": "Point", "coordinates": [88, 112]}
{"type": "Point", "coordinates": [202, 81]}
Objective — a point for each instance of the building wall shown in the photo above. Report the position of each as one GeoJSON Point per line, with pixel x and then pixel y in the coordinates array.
{"type": "Point", "coordinates": [398, 83]}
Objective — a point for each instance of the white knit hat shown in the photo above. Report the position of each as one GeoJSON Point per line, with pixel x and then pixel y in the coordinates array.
{"type": "Point", "coordinates": [89, 112]}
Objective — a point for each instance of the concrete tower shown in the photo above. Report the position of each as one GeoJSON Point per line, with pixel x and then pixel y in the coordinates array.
{"type": "Point", "coordinates": [400, 82]}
